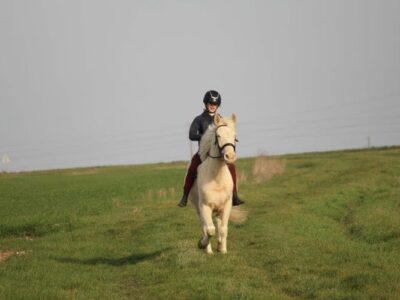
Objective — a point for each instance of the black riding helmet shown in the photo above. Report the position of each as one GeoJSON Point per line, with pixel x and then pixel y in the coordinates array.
{"type": "Point", "coordinates": [212, 97]}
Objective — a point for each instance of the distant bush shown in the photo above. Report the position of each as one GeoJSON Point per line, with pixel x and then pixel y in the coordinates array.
{"type": "Point", "coordinates": [266, 167]}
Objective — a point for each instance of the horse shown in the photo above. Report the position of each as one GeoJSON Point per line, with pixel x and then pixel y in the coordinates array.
{"type": "Point", "coordinates": [212, 191]}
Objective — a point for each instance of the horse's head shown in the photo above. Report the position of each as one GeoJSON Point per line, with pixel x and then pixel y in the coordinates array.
{"type": "Point", "coordinates": [225, 137]}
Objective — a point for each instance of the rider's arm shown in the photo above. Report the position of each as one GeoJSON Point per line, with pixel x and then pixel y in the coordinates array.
{"type": "Point", "coordinates": [194, 132]}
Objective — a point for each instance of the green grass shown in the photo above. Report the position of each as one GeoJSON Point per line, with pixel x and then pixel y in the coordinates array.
{"type": "Point", "coordinates": [327, 228]}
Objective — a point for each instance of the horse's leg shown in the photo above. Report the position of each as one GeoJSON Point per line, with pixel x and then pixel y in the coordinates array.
{"type": "Point", "coordinates": [219, 225]}
{"type": "Point", "coordinates": [223, 227]}
{"type": "Point", "coordinates": [208, 228]}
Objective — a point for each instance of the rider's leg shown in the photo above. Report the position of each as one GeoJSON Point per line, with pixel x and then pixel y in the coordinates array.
{"type": "Point", "coordinates": [235, 198]}
{"type": "Point", "coordinates": [190, 178]}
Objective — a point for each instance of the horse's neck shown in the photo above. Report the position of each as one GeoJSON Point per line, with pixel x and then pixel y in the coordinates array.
{"type": "Point", "coordinates": [216, 165]}
{"type": "Point", "coordinates": [214, 152]}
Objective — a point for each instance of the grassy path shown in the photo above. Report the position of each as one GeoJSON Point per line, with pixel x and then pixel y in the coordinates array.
{"type": "Point", "coordinates": [327, 228]}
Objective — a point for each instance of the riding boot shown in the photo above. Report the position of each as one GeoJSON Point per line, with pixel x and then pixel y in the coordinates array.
{"type": "Point", "coordinates": [236, 200]}
{"type": "Point", "coordinates": [184, 200]}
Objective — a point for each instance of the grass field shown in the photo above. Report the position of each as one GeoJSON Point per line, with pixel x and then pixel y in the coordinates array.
{"type": "Point", "coordinates": [320, 226]}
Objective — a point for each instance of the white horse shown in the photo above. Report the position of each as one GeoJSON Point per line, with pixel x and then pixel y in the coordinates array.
{"type": "Point", "coordinates": [212, 190]}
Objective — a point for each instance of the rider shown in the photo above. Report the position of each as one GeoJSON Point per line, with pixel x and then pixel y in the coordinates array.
{"type": "Point", "coordinates": [212, 101]}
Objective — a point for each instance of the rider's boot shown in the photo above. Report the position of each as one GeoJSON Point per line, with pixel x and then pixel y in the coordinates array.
{"type": "Point", "coordinates": [184, 200]}
{"type": "Point", "coordinates": [236, 200]}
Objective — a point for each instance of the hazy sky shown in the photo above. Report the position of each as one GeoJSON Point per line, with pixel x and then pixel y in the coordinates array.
{"type": "Point", "coordinates": [86, 83]}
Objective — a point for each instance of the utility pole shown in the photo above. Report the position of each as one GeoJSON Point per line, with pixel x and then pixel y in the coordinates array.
{"type": "Point", "coordinates": [369, 142]}
{"type": "Point", "coordinates": [190, 146]}
{"type": "Point", "coordinates": [5, 160]}
{"type": "Point", "coordinates": [190, 149]}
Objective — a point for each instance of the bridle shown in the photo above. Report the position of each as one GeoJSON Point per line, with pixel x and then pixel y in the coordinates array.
{"type": "Point", "coordinates": [221, 148]}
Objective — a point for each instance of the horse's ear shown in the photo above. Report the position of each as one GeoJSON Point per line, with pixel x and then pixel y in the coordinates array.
{"type": "Point", "coordinates": [217, 119]}
{"type": "Point", "coordinates": [234, 118]}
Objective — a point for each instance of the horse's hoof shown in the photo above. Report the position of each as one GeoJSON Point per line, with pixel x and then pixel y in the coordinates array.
{"type": "Point", "coordinates": [200, 245]}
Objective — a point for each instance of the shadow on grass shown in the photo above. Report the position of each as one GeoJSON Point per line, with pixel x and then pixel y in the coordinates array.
{"type": "Point", "coordinates": [127, 260]}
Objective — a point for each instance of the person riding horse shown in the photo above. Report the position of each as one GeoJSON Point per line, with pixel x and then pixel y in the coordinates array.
{"type": "Point", "coordinates": [212, 101]}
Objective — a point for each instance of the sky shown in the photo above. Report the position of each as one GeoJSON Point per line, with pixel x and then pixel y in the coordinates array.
{"type": "Point", "coordinates": [94, 82]}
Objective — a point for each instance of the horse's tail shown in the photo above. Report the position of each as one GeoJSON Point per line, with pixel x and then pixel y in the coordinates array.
{"type": "Point", "coordinates": [238, 215]}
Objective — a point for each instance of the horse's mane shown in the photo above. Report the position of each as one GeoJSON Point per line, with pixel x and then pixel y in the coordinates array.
{"type": "Point", "coordinates": [208, 137]}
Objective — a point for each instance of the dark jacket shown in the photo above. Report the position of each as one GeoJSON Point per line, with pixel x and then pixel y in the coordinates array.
{"type": "Point", "coordinates": [200, 125]}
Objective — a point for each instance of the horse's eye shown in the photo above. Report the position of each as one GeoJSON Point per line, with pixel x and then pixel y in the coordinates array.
{"type": "Point", "coordinates": [236, 140]}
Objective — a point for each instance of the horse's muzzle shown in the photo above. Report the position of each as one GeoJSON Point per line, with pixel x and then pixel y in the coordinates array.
{"type": "Point", "coordinates": [230, 157]}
